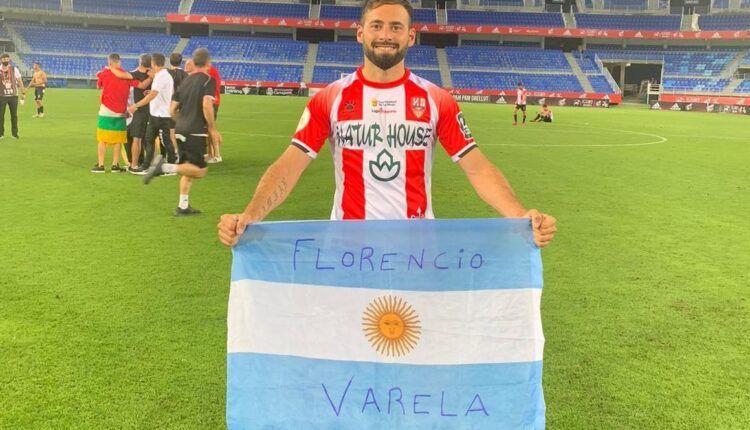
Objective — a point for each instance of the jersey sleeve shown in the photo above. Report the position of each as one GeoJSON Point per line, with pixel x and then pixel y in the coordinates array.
{"type": "Point", "coordinates": [452, 130]}
{"type": "Point", "coordinates": [210, 88]}
{"type": "Point", "coordinates": [315, 124]}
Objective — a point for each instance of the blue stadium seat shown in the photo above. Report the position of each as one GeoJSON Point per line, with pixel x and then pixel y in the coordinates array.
{"type": "Point", "coordinates": [127, 7]}
{"type": "Point", "coordinates": [724, 22]}
{"type": "Point", "coordinates": [354, 13]}
{"type": "Point", "coordinates": [495, 3]}
{"type": "Point", "coordinates": [696, 63]}
{"type": "Point", "coordinates": [67, 40]}
{"type": "Point", "coordinates": [50, 5]}
{"type": "Point", "coordinates": [509, 58]}
{"type": "Point", "coordinates": [527, 19]}
{"type": "Point", "coordinates": [743, 88]}
{"type": "Point", "coordinates": [74, 66]}
{"type": "Point", "coordinates": [508, 81]}
{"type": "Point", "coordinates": [675, 84]}
{"type": "Point", "coordinates": [600, 84]}
{"type": "Point", "coordinates": [259, 72]}
{"type": "Point", "coordinates": [628, 22]}
{"type": "Point", "coordinates": [625, 4]}
{"type": "Point", "coordinates": [244, 8]}
{"type": "Point", "coordinates": [253, 49]}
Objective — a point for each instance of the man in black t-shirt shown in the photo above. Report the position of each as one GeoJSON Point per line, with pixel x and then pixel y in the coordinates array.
{"type": "Point", "coordinates": [137, 127]}
{"type": "Point", "coordinates": [193, 111]}
{"type": "Point", "coordinates": [178, 75]}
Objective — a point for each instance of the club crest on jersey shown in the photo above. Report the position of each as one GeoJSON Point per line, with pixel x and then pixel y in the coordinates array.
{"type": "Point", "coordinates": [349, 106]}
{"type": "Point", "coordinates": [418, 106]}
{"type": "Point", "coordinates": [374, 102]}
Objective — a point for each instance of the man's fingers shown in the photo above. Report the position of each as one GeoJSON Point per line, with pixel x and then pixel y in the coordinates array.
{"type": "Point", "coordinates": [240, 227]}
{"type": "Point", "coordinates": [547, 230]}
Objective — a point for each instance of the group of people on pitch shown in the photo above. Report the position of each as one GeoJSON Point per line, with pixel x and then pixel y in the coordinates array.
{"type": "Point", "coordinates": [177, 107]}
{"type": "Point", "coordinates": [374, 180]}
{"type": "Point", "coordinates": [543, 115]}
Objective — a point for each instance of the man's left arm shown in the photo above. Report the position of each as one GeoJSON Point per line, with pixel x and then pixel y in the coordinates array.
{"type": "Point", "coordinates": [144, 101]}
{"type": "Point", "coordinates": [20, 84]}
{"type": "Point", "coordinates": [492, 187]}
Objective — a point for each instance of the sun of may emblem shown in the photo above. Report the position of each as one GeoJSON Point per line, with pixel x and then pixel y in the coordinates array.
{"type": "Point", "coordinates": [391, 326]}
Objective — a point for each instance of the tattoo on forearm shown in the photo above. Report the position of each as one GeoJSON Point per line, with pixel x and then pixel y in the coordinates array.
{"type": "Point", "coordinates": [273, 200]}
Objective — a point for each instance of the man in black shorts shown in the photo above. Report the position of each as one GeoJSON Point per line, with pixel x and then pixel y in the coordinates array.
{"type": "Point", "coordinates": [39, 82]}
{"type": "Point", "coordinates": [193, 111]}
{"type": "Point", "coordinates": [137, 127]}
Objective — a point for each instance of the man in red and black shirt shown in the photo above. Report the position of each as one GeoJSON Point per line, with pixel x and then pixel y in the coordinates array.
{"type": "Point", "coordinates": [383, 123]}
{"type": "Point", "coordinates": [214, 148]}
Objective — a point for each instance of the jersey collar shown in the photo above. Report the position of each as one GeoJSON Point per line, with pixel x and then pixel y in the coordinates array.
{"type": "Point", "coordinates": [393, 84]}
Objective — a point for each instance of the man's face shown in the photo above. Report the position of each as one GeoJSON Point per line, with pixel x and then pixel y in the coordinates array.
{"type": "Point", "coordinates": [385, 35]}
{"type": "Point", "coordinates": [5, 60]}
{"type": "Point", "coordinates": [36, 67]}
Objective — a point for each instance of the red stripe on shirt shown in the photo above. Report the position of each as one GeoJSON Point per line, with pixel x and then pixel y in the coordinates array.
{"type": "Point", "coordinates": [353, 200]}
{"type": "Point", "coordinates": [416, 194]}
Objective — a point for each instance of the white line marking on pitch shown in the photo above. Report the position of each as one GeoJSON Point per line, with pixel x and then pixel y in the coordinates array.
{"type": "Point", "coordinates": [660, 140]}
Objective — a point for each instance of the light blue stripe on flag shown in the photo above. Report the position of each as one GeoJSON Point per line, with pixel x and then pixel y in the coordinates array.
{"type": "Point", "coordinates": [386, 325]}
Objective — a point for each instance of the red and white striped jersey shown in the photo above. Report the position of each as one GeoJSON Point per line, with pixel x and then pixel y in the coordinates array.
{"type": "Point", "coordinates": [382, 138]}
{"type": "Point", "coordinates": [521, 96]}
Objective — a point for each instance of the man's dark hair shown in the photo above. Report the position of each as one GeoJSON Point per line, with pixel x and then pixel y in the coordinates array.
{"type": "Point", "coordinates": [114, 57]}
{"type": "Point", "coordinates": [146, 60]}
{"type": "Point", "coordinates": [175, 59]}
{"type": "Point", "coordinates": [544, 105]}
{"type": "Point", "coordinates": [5, 55]}
{"type": "Point", "coordinates": [372, 4]}
{"type": "Point", "coordinates": [201, 57]}
{"type": "Point", "coordinates": [38, 63]}
{"type": "Point", "coordinates": [158, 59]}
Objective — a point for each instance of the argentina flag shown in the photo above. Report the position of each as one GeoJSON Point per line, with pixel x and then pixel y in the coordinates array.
{"type": "Point", "coordinates": [430, 324]}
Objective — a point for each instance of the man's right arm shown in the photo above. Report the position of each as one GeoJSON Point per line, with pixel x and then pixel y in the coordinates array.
{"type": "Point", "coordinates": [274, 187]}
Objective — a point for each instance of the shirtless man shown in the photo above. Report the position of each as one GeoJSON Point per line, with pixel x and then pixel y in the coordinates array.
{"type": "Point", "coordinates": [39, 82]}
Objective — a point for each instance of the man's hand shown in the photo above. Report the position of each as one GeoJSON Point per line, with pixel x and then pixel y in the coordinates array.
{"type": "Point", "coordinates": [132, 109]}
{"type": "Point", "coordinates": [215, 136]}
{"type": "Point", "coordinates": [544, 227]}
{"type": "Point", "coordinates": [231, 227]}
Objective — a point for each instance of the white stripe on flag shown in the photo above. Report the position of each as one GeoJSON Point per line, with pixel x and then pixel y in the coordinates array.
{"type": "Point", "coordinates": [457, 327]}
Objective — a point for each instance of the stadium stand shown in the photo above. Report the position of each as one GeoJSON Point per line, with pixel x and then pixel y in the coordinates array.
{"type": "Point", "coordinates": [67, 40]}
{"type": "Point", "coordinates": [74, 66]}
{"type": "Point", "coordinates": [426, 16]}
{"type": "Point", "coordinates": [257, 50]}
{"type": "Point", "coordinates": [626, 4]}
{"type": "Point", "coordinates": [242, 8]}
{"type": "Point", "coordinates": [127, 7]}
{"type": "Point", "coordinates": [506, 81]}
{"type": "Point", "coordinates": [510, 58]}
{"type": "Point", "coordinates": [628, 22]}
{"type": "Point", "coordinates": [48, 5]}
{"type": "Point", "coordinates": [259, 72]}
{"type": "Point", "coordinates": [527, 19]}
{"type": "Point", "coordinates": [696, 63]}
{"type": "Point", "coordinates": [675, 84]}
{"type": "Point", "coordinates": [743, 88]}
{"type": "Point", "coordinates": [724, 22]}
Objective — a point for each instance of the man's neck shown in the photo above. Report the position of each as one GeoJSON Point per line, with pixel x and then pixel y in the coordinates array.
{"type": "Point", "coordinates": [142, 69]}
{"type": "Point", "coordinates": [200, 70]}
{"type": "Point", "coordinates": [373, 73]}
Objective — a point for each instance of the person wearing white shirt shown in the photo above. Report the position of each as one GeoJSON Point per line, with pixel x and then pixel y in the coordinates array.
{"type": "Point", "coordinates": [10, 89]}
{"type": "Point", "coordinates": [159, 100]}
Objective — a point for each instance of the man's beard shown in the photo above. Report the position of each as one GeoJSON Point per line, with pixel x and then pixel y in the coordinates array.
{"type": "Point", "coordinates": [384, 61]}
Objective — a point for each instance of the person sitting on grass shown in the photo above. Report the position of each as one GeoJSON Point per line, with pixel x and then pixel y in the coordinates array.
{"type": "Point", "coordinates": [543, 115]}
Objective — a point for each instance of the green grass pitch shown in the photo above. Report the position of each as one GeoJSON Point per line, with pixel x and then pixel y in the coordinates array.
{"type": "Point", "coordinates": [113, 312]}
